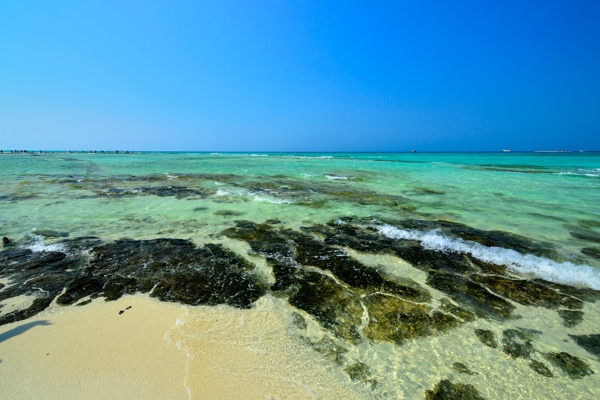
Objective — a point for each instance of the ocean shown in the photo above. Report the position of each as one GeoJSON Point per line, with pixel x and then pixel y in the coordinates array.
{"type": "Point", "coordinates": [401, 275]}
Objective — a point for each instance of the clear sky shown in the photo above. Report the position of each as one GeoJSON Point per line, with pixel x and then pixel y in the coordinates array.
{"type": "Point", "coordinates": [300, 75]}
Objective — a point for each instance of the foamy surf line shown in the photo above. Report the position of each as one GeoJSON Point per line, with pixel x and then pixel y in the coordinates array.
{"type": "Point", "coordinates": [566, 272]}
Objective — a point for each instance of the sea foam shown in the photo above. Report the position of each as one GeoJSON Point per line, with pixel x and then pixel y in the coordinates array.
{"type": "Point", "coordinates": [557, 272]}
{"type": "Point", "coordinates": [37, 244]}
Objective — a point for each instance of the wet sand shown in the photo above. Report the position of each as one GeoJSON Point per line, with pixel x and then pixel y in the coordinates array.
{"type": "Point", "coordinates": [157, 350]}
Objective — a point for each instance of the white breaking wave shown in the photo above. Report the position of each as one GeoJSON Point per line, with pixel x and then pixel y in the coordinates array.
{"type": "Point", "coordinates": [336, 177]}
{"type": "Point", "coordinates": [579, 174]}
{"type": "Point", "coordinates": [565, 272]}
{"type": "Point", "coordinates": [37, 244]}
{"type": "Point", "coordinates": [222, 192]}
{"type": "Point", "coordinates": [272, 200]}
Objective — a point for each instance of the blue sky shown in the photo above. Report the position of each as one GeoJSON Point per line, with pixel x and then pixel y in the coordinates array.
{"type": "Point", "coordinates": [300, 75]}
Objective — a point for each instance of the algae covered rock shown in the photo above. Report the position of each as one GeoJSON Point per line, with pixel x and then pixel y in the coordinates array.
{"type": "Point", "coordinates": [446, 390]}
{"type": "Point", "coordinates": [528, 293]}
{"type": "Point", "coordinates": [396, 320]}
{"type": "Point", "coordinates": [575, 367]}
{"type": "Point", "coordinates": [571, 318]}
{"type": "Point", "coordinates": [540, 368]}
{"type": "Point", "coordinates": [589, 342]}
{"type": "Point", "coordinates": [462, 368]}
{"type": "Point", "coordinates": [472, 295]}
{"type": "Point", "coordinates": [487, 337]}
{"type": "Point", "coordinates": [517, 342]}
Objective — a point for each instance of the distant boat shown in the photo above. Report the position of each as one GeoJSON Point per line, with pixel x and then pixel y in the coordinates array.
{"type": "Point", "coordinates": [413, 151]}
{"type": "Point", "coordinates": [507, 151]}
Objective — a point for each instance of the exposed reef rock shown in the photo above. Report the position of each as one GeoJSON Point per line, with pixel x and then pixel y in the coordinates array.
{"type": "Point", "coordinates": [179, 192]}
{"type": "Point", "coordinates": [337, 290]}
{"type": "Point", "coordinates": [171, 269]}
{"type": "Point", "coordinates": [446, 390]}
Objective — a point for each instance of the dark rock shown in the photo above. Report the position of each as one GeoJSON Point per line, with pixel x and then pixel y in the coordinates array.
{"type": "Point", "coordinates": [571, 318]}
{"type": "Point", "coordinates": [312, 252]}
{"type": "Point", "coordinates": [396, 320]}
{"type": "Point", "coordinates": [589, 342]}
{"type": "Point", "coordinates": [451, 308]}
{"type": "Point", "coordinates": [6, 241]}
{"type": "Point", "coordinates": [51, 234]}
{"type": "Point", "coordinates": [540, 368]}
{"type": "Point", "coordinates": [462, 368]}
{"type": "Point", "coordinates": [200, 209]}
{"type": "Point", "coordinates": [446, 390]}
{"type": "Point", "coordinates": [589, 223]}
{"type": "Point", "coordinates": [588, 236]}
{"type": "Point", "coordinates": [79, 288]}
{"type": "Point", "coordinates": [487, 337]}
{"type": "Point", "coordinates": [84, 303]}
{"type": "Point", "coordinates": [329, 349]}
{"type": "Point", "coordinates": [299, 320]}
{"type": "Point", "coordinates": [434, 260]}
{"type": "Point", "coordinates": [528, 293]}
{"type": "Point", "coordinates": [572, 366]}
{"type": "Point", "coordinates": [592, 252]}
{"type": "Point", "coordinates": [585, 294]}
{"type": "Point", "coordinates": [487, 238]}
{"type": "Point", "coordinates": [178, 192]}
{"type": "Point", "coordinates": [177, 270]}
{"type": "Point", "coordinates": [517, 342]}
{"type": "Point", "coordinates": [332, 305]}
{"type": "Point", "coordinates": [228, 213]}
{"type": "Point", "coordinates": [361, 372]}
{"type": "Point", "coordinates": [472, 295]}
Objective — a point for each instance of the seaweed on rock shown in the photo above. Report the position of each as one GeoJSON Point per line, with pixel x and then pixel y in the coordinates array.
{"type": "Point", "coordinates": [574, 367]}
{"type": "Point", "coordinates": [589, 342]}
{"type": "Point", "coordinates": [171, 269]}
{"type": "Point", "coordinates": [446, 390]}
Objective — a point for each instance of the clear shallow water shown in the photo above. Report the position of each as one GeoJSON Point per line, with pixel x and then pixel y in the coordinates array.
{"type": "Point", "coordinates": [548, 198]}
{"type": "Point", "coordinates": [543, 196]}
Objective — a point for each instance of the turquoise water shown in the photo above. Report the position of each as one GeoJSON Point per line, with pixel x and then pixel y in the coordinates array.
{"type": "Point", "coordinates": [544, 196]}
{"type": "Point", "coordinates": [551, 200]}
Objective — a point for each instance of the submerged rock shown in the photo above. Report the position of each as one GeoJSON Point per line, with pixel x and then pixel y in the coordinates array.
{"type": "Point", "coordinates": [571, 365]}
{"type": "Point", "coordinates": [446, 390]}
{"type": "Point", "coordinates": [529, 293]}
{"type": "Point", "coordinates": [487, 337]}
{"type": "Point", "coordinates": [589, 342]}
{"type": "Point", "coordinates": [331, 304]}
{"type": "Point", "coordinates": [570, 318]}
{"type": "Point", "coordinates": [462, 368]}
{"type": "Point", "coordinates": [471, 294]}
{"type": "Point", "coordinates": [329, 349]}
{"type": "Point", "coordinates": [540, 368]}
{"type": "Point", "coordinates": [397, 320]}
{"type": "Point", "coordinates": [592, 252]}
{"type": "Point", "coordinates": [517, 342]}
{"type": "Point", "coordinates": [361, 372]}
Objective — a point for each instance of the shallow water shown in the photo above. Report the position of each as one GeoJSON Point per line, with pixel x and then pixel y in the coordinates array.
{"type": "Point", "coordinates": [545, 206]}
